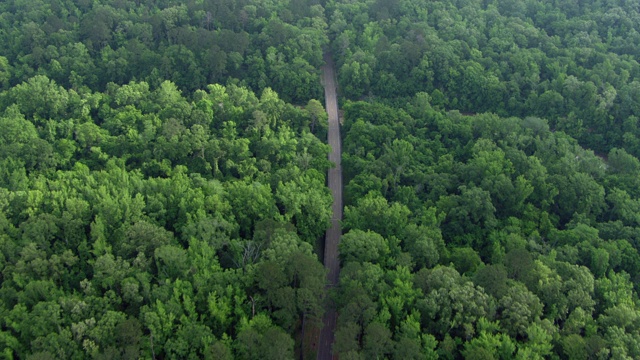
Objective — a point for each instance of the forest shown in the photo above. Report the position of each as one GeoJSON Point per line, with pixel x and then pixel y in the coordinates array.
{"type": "Point", "coordinates": [163, 179]}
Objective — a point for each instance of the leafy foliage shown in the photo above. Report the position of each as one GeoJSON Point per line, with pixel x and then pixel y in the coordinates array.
{"type": "Point", "coordinates": [145, 227]}
{"type": "Point", "coordinates": [162, 178]}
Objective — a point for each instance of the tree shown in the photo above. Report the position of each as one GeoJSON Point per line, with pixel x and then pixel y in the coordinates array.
{"type": "Point", "coordinates": [468, 214]}
{"type": "Point", "coordinates": [361, 246]}
{"type": "Point", "coordinates": [578, 193]}
{"type": "Point", "coordinates": [452, 306]}
{"type": "Point", "coordinates": [465, 260]}
{"type": "Point", "coordinates": [259, 339]}
{"type": "Point", "coordinates": [317, 118]}
{"type": "Point", "coordinates": [346, 343]}
{"type": "Point", "coordinates": [294, 292]}
{"type": "Point", "coordinates": [171, 261]}
{"type": "Point", "coordinates": [517, 309]}
{"type": "Point", "coordinates": [489, 346]}
{"type": "Point", "coordinates": [425, 244]}
{"type": "Point", "coordinates": [18, 130]}
{"type": "Point", "coordinates": [373, 212]}
{"type": "Point", "coordinates": [357, 78]}
{"type": "Point", "coordinates": [493, 279]}
{"type": "Point", "coordinates": [578, 284]}
{"type": "Point", "coordinates": [307, 203]}
{"type": "Point", "coordinates": [250, 202]}
{"type": "Point", "coordinates": [574, 347]}
{"type": "Point", "coordinates": [40, 98]}
{"type": "Point", "coordinates": [613, 290]}
{"type": "Point", "coordinates": [377, 341]}
{"type": "Point", "coordinates": [538, 343]}
{"type": "Point", "coordinates": [5, 73]}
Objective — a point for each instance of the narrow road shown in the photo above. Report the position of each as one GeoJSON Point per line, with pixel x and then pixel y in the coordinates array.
{"type": "Point", "coordinates": [331, 261]}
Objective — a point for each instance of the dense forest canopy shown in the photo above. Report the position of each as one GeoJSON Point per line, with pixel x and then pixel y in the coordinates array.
{"type": "Point", "coordinates": [275, 44]}
{"type": "Point", "coordinates": [147, 211]}
{"type": "Point", "coordinates": [163, 168]}
{"type": "Point", "coordinates": [570, 62]}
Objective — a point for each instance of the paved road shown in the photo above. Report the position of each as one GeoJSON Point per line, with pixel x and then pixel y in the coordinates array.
{"type": "Point", "coordinates": [331, 261]}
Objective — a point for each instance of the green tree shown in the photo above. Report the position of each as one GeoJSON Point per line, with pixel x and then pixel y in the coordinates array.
{"type": "Point", "coordinates": [40, 98]}
{"type": "Point", "coordinates": [361, 246]}
{"type": "Point", "coordinates": [377, 341]}
{"type": "Point", "coordinates": [452, 305]}
{"type": "Point", "coordinates": [518, 309]}
{"type": "Point", "coordinates": [373, 212]}
{"type": "Point", "coordinates": [259, 339]}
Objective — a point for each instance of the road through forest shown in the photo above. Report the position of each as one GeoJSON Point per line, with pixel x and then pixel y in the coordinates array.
{"type": "Point", "coordinates": [331, 261]}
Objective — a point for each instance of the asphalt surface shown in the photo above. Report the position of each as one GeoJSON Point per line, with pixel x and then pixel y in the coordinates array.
{"type": "Point", "coordinates": [331, 261]}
